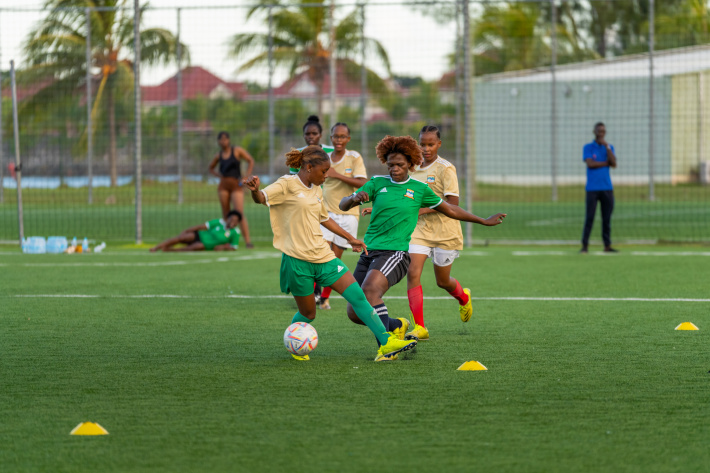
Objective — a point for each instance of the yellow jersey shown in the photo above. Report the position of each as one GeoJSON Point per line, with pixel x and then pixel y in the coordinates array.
{"type": "Point", "coordinates": [296, 212]}
{"type": "Point", "coordinates": [351, 165]}
{"type": "Point", "coordinates": [436, 230]}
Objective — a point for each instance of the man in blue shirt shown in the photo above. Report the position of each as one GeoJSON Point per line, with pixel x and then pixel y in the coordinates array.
{"type": "Point", "coordinates": [599, 157]}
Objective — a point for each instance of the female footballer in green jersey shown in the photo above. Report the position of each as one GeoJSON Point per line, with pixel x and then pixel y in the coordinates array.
{"type": "Point", "coordinates": [396, 200]}
{"type": "Point", "coordinates": [296, 212]}
{"type": "Point", "coordinates": [312, 134]}
{"type": "Point", "coordinates": [214, 235]}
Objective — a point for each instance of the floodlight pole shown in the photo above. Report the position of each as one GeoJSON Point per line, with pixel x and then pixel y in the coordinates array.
{"type": "Point", "coordinates": [89, 122]}
{"type": "Point", "coordinates": [553, 103]}
{"type": "Point", "coordinates": [179, 112]}
{"type": "Point", "coordinates": [271, 123]}
{"type": "Point", "coordinates": [651, 121]}
{"type": "Point", "coordinates": [469, 149]}
{"type": "Point", "coordinates": [18, 162]}
{"type": "Point", "coordinates": [458, 84]}
{"type": "Point", "coordinates": [333, 83]}
{"type": "Point", "coordinates": [137, 106]}
{"type": "Point", "coordinates": [363, 85]}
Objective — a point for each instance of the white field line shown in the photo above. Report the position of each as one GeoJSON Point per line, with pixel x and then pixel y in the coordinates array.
{"type": "Point", "coordinates": [254, 256]}
{"type": "Point", "coordinates": [283, 296]}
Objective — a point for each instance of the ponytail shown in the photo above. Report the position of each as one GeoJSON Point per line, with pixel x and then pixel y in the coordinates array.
{"type": "Point", "coordinates": [313, 155]}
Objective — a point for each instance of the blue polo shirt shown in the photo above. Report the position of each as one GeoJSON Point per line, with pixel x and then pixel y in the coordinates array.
{"type": "Point", "coordinates": [598, 179]}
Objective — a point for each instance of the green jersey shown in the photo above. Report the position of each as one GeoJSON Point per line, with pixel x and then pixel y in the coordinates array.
{"type": "Point", "coordinates": [326, 148]}
{"type": "Point", "coordinates": [395, 211]}
{"type": "Point", "coordinates": [217, 233]}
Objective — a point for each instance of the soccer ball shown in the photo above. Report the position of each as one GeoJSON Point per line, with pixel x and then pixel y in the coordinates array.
{"type": "Point", "coordinates": [300, 338]}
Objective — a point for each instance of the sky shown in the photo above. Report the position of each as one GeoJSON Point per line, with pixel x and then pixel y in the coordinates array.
{"type": "Point", "coordinates": [416, 43]}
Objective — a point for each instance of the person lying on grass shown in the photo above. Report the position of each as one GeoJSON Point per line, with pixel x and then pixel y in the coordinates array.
{"type": "Point", "coordinates": [215, 235]}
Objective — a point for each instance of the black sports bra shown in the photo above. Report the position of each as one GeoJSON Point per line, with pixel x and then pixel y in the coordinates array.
{"type": "Point", "coordinates": [229, 167]}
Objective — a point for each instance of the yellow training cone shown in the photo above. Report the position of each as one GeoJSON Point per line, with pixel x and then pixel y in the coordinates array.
{"type": "Point", "coordinates": [88, 428]}
{"type": "Point", "coordinates": [472, 366]}
{"type": "Point", "coordinates": [687, 326]}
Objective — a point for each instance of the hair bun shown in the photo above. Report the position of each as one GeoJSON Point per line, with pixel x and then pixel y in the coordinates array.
{"type": "Point", "coordinates": [314, 118]}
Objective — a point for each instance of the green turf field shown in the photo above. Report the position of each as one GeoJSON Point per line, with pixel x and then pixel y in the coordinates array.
{"type": "Point", "coordinates": [680, 213]}
{"type": "Point", "coordinates": [180, 358]}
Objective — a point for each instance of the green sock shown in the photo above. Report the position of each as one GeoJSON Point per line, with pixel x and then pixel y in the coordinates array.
{"type": "Point", "coordinates": [354, 295]}
{"type": "Point", "coordinates": [300, 318]}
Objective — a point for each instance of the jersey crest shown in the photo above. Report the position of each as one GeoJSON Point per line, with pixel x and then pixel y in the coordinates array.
{"type": "Point", "coordinates": [430, 179]}
{"type": "Point", "coordinates": [410, 194]}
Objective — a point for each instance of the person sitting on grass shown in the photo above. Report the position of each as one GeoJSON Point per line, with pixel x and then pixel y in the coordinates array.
{"type": "Point", "coordinates": [215, 235]}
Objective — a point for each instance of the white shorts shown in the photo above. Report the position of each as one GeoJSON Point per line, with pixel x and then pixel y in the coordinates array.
{"type": "Point", "coordinates": [439, 257]}
{"type": "Point", "coordinates": [347, 223]}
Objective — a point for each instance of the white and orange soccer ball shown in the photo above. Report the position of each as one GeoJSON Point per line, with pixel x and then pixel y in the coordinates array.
{"type": "Point", "coordinates": [300, 338]}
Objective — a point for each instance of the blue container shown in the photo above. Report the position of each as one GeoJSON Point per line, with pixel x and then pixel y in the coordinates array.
{"type": "Point", "coordinates": [35, 245]}
{"type": "Point", "coordinates": [57, 244]}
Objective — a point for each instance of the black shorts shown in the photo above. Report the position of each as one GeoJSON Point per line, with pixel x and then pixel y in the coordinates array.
{"type": "Point", "coordinates": [393, 264]}
{"type": "Point", "coordinates": [197, 238]}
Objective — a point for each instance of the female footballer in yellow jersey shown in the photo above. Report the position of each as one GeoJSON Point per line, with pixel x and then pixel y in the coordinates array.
{"type": "Point", "coordinates": [346, 174]}
{"type": "Point", "coordinates": [436, 236]}
{"type": "Point", "coordinates": [297, 211]}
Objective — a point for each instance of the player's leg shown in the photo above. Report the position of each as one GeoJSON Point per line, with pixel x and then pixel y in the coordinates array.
{"type": "Point", "coordinates": [297, 277]}
{"type": "Point", "coordinates": [607, 207]}
{"type": "Point", "coordinates": [591, 209]}
{"type": "Point", "coordinates": [238, 205]}
{"type": "Point", "coordinates": [325, 294]}
{"type": "Point", "coordinates": [415, 293]}
{"type": "Point", "coordinates": [184, 237]}
{"type": "Point", "coordinates": [223, 194]}
{"type": "Point", "coordinates": [390, 344]}
{"type": "Point", "coordinates": [443, 261]}
{"type": "Point", "coordinates": [338, 245]}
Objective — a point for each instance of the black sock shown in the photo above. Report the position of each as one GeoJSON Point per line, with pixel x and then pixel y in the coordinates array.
{"type": "Point", "coordinates": [383, 314]}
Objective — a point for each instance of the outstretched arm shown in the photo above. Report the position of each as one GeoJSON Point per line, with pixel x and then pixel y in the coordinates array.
{"type": "Point", "coordinates": [457, 213]}
{"type": "Point", "coordinates": [338, 230]}
{"type": "Point", "coordinates": [351, 201]}
{"type": "Point", "coordinates": [252, 184]}
{"type": "Point", "coordinates": [197, 228]}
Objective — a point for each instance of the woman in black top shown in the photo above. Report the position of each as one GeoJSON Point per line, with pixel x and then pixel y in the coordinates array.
{"type": "Point", "coordinates": [230, 179]}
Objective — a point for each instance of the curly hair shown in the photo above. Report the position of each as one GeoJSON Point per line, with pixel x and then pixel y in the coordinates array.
{"type": "Point", "coordinates": [313, 155]}
{"type": "Point", "coordinates": [405, 145]}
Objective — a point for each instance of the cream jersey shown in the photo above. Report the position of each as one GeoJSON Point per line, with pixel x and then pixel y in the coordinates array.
{"type": "Point", "coordinates": [296, 212]}
{"type": "Point", "coordinates": [436, 230]}
{"type": "Point", "coordinates": [351, 165]}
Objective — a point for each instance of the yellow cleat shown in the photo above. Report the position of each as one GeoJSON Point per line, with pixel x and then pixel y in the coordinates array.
{"type": "Point", "coordinates": [466, 311]}
{"type": "Point", "coordinates": [401, 331]}
{"type": "Point", "coordinates": [389, 351]}
{"type": "Point", "coordinates": [300, 358]}
{"type": "Point", "coordinates": [419, 333]}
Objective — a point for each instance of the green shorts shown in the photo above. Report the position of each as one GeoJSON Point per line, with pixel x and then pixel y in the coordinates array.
{"type": "Point", "coordinates": [298, 276]}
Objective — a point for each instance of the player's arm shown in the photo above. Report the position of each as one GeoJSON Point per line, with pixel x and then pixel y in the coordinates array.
{"type": "Point", "coordinates": [357, 245]}
{"type": "Point", "coordinates": [197, 228]}
{"type": "Point", "coordinates": [252, 184]}
{"type": "Point", "coordinates": [244, 154]}
{"type": "Point", "coordinates": [351, 201]}
{"type": "Point", "coordinates": [356, 182]}
{"type": "Point", "coordinates": [592, 164]}
{"type": "Point", "coordinates": [610, 156]}
{"type": "Point", "coordinates": [213, 165]}
{"type": "Point", "coordinates": [224, 247]}
{"type": "Point", "coordinates": [449, 199]}
{"type": "Point", "coordinates": [457, 213]}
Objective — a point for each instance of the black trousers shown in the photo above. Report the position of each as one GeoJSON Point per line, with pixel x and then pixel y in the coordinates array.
{"type": "Point", "coordinates": [606, 198]}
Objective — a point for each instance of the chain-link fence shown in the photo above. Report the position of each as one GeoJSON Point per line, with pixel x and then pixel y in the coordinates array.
{"type": "Point", "coordinates": [515, 88]}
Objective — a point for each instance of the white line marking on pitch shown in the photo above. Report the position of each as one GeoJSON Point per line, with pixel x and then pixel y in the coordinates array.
{"type": "Point", "coordinates": [283, 296]}
{"type": "Point", "coordinates": [255, 256]}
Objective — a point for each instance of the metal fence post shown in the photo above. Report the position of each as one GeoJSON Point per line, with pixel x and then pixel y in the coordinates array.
{"type": "Point", "coordinates": [553, 102]}
{"type": "Point", "coordinates": [363, 85]}
{"type": "Point", "coordinates": [651, 121]}
{"type": "Point", "coordinates": [179, 112]}
{"type": "Point", "coordinates": [89, 122]}
{"type": "Point", "coordinates": [333, 82]}
{"type": "Point", "coordinates": [2, 161]}
{"type": "Point", "coordinates": [271, 94]}
{"type": "Point", "coordinates": [137, 105]}
{"type": "Point", "coordinates": [18, 162]}
{"type": "Point", "coordinates": [458, 82]}
{"type": "Point", "coordinates": [469, 151]}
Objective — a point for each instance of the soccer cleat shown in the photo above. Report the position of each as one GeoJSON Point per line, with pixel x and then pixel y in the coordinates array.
{"type": "Point", "coordinates": [466, 311]}
{"type": "Point", "coordinates": [419, 333]}
{"type": "Point", "coordinates": [399, 332]}
{"type": "Point", "coordinates": [389, 351]}
{"type": "Point", "coordinates": [300, 358]}
{"type": "Point", "coordinates": [324, 304]}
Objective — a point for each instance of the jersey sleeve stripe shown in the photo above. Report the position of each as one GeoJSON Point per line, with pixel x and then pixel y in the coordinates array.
{"type": "Point", "coordinates": [434, 206]}
{"type": "Point", "coordinates": [450, 193]}
{"type": "Point", "coordinates": [266, 198]}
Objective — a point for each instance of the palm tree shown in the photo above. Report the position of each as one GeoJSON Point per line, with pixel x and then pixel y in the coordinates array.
{"type": "Point", "coordinates": [301, 44]}
{"type": "Point", "coordinates": [56, 55]}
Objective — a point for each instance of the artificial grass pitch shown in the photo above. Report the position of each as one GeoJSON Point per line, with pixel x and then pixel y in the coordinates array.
{"type": "Point", "coordinates": [198, 378]}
